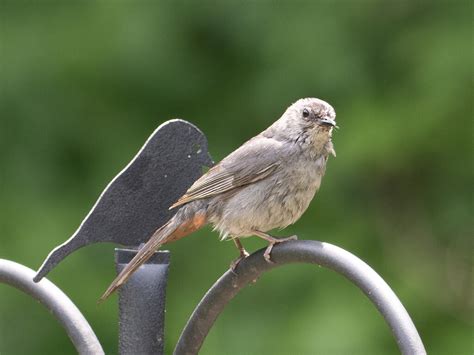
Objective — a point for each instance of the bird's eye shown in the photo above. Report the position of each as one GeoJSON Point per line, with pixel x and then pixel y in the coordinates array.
{"type": "Point", "coordinates": [305, 113]}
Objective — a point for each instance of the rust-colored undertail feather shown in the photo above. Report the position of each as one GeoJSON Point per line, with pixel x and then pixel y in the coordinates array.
{"type": "Point", "coordinates": [173, 230]}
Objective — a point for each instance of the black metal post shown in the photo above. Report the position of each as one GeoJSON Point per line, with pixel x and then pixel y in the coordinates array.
{"type": "Point", "coordinates": [142, 304]}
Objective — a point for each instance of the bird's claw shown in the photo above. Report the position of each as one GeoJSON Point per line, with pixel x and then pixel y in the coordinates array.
{"type": "Point", "coordinates": [267, 255]}
{"type": "Point", "coordinates": [268, 251]}
{"type": "Point", "coordinates": [236, 262]}
{"type": "Point", "coordinates": [291, 237]}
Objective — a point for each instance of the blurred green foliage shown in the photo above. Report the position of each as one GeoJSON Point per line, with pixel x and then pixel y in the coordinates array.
{"type": "Point", "coordinates": [83, 84]}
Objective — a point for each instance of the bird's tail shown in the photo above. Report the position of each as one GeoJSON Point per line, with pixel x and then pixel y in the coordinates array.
{"type": "Point", "coordinates": [177, 227]}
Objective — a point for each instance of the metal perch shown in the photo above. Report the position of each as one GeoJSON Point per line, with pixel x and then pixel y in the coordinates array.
{"type": "Point", "coordinates": [303, 251]}
{"type": "Point", "coordinates": [50, 296]}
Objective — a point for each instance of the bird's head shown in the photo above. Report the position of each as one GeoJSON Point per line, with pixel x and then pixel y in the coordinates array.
{"type": "Point", "coordinates": [308, 121]}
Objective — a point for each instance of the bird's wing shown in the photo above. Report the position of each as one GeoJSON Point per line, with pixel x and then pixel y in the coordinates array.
{"type": "Point", "coordinates": [253, 161]}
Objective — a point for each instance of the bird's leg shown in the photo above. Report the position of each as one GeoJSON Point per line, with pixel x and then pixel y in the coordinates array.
{"type": "Point", "coordinates": [242, 251]}
{"type": "Point", "coordinates": [272, 241]}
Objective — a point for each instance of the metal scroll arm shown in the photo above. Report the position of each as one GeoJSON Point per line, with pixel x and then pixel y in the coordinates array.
{"type": "Point", "coordinates": [50, 296]}
{"type": "Point", "coordinates": [303, 251]}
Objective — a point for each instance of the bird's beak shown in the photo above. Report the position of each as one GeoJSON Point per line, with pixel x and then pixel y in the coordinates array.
{"type": "Point", "coordinates": [328, 121]}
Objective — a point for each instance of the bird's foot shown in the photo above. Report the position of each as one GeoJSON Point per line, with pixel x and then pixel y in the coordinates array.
{"type": "Point", "coordinates": [268, 251]}
{"type": "Point", "coordinates": [235, 263]}
{"type": "Point", "coordinates": [285, 239]}
{"type": "Point", "coordinates": [243, 254]}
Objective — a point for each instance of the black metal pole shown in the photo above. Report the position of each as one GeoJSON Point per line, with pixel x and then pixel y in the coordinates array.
{"type": "Point", "coordinates": [301, 251]}
{"type": "Point", "coordinates": [142, 304]}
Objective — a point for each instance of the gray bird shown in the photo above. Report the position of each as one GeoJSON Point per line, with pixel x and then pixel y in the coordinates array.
{"type": "Point", "coordinates": [265, 184]}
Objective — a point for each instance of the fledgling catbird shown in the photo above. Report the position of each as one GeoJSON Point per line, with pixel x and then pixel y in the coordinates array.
{"type": "Point", "coordinates": [267, 183]}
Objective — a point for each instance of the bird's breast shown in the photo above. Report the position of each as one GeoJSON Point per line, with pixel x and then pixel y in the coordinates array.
{"type": "Point", "coordinates": [274, 202]}
{"type": "Point", "coordinates": [302, 182]}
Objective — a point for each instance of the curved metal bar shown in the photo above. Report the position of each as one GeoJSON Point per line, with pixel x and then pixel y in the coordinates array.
{"type": "Point", "coordinates": [303, 251]}
{"type": "Point", "coordinates": [79, 331]}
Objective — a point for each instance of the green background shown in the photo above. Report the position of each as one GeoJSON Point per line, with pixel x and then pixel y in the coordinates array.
{"type": "Point", "coordinates": [84, 84]}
